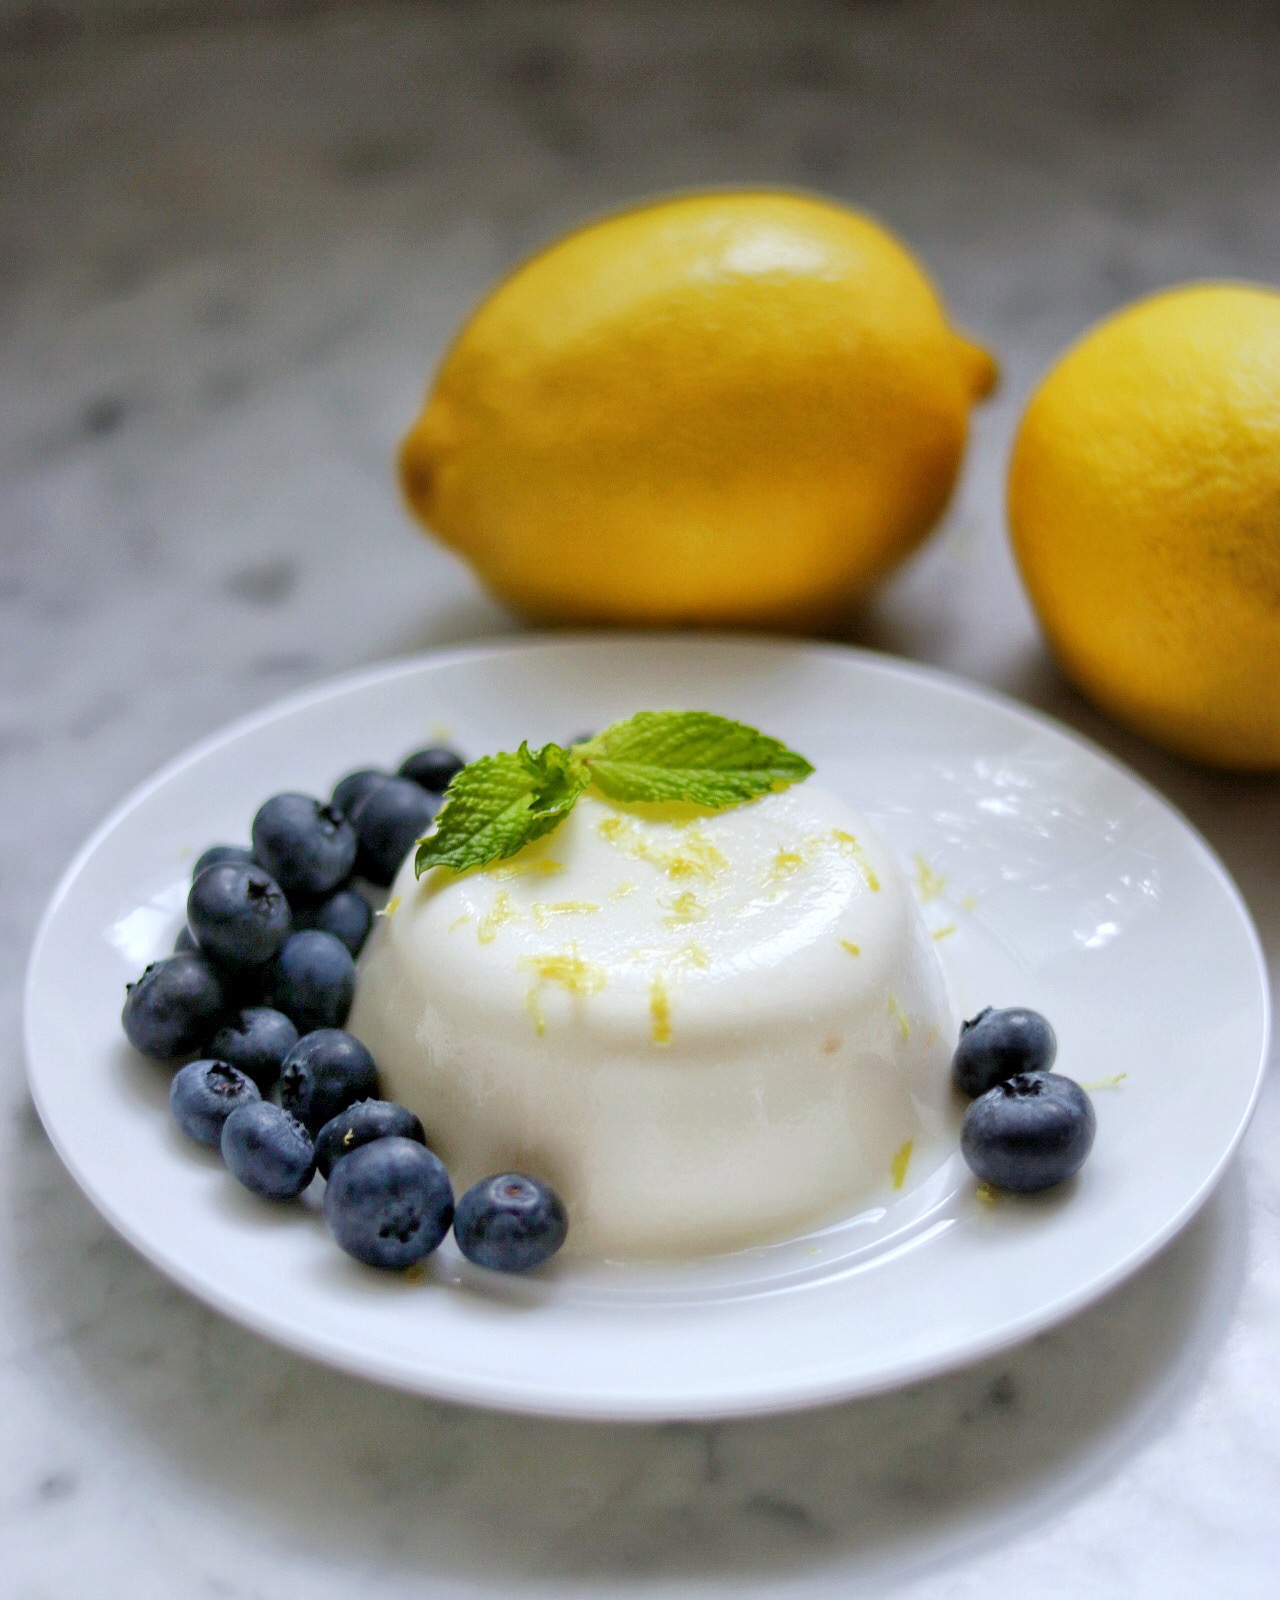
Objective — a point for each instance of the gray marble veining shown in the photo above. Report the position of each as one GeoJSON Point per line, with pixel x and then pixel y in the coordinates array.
{"type": "Point", "coordinates": [229, 255]}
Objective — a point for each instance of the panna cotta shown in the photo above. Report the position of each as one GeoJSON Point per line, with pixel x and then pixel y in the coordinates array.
{"type": "Point", "coordinates": [705, 1031]}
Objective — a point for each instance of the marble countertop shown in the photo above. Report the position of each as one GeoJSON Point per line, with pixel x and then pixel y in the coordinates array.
{"type": "Point", "coordinates": [229, 255]}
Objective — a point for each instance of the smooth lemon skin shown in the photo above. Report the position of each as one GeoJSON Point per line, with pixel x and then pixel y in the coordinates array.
{"type": "Point", "coordinates": [722, 409]}
{"type": "Point", "coordinates": [1144, 506]}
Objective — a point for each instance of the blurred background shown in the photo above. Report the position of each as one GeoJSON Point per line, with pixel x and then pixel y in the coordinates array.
{"type": "Point", "coordinates": [235, 237]}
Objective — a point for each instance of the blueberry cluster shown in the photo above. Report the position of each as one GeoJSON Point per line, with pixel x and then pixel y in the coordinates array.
{"type": "Point", "coordinates": [1028, 1128]}
{"type": "Point", "coordinates": [258, 989]}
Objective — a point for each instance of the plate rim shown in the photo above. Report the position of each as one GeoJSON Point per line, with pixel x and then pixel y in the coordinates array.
{"type": "Point", "coordinates": [807, 1391]}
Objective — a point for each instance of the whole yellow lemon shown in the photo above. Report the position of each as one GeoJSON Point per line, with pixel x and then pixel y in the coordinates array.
{"type": "Point", "coordinates": [1144, 502]}
{"type": "Point", "coordinates": [733, 408]}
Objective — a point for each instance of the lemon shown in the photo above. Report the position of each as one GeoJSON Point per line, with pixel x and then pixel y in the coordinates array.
{"type": "Point", "coordinates": [1144, 503]}
{"type": "Point", "coordinates": [732, 408]}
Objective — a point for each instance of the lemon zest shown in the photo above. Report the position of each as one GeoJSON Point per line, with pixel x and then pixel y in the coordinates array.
{"type": "Point", "coordinates": [682, 908]}
{"type": "Point", "coordinates": [623, 890]}
{"type": "Point", "coordinates": [899, 1016]}
{"type": "Point", "coordinates": [853, 949]}
{"type": "Point", "coordinates": [503, 910]}
{"type": "Point", "coordinates": [939, 934]}
{"type": "Point", "coordinates": [391, 907]}
{"type": "Point", "coordinates": [695, 856]}
{"type": "Point", "coordinates": [900, 1163]}
{"type": "Point", "coordinates": [929, 884]}
{"type": "Point", "coordinates": [985, 1195]}
{"type": "Point", "coordinates": [539, 867]}
{"type": "Point", "coordinates": [543, 911]}
{"type": "Point", "coordinates": [849, 846]}
{"type": "Point", "coordinates": [660, 1011]}
{"type": "Point", "coordinates": [1113, 1082]}
{"type": "Point", "coordinates": [460, 922]}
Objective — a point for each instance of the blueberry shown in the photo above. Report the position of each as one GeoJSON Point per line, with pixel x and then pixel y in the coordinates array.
{"type": "Point", "coordinates": [185, 943]}
{"type": "Point", "coordinates": [350, 791]}
{"type": "Point", "coordinates": [995, 1045]}
{"type": "Point", "coordinates": [217, 854]}
{"type": "Point", "coordinates": [433, 769]}
{"type": "Point", "coordinates": [1028, 1133]}
{"type": "Point", "coordinates": [314, 980]}
{"type": "Point", "coordinates": [238, 914]}
{"type": "Point", "coordinates": [307, 847]}
{"type": "Point", "coordinates": [268, 1150]}
{"type": "Point", "coordinates": [361, 1124]}
{"type": "Point", "coordinates": [324, 1073]}
{"type": "Point", "coordinates": [173, 1007]}
{"type": "Point", "coordinates": [347, 915]}
{"type": "Point", "coordinates": [256, 1040]}
{"type": "Point", "coordinates": [389, 821]}
{"type": "Point", "coordinates": [389, 1203]}
{"type": "Point", "coordinates": [203, 1095]}
{"type": "Point", "coordinates": [510, 1223]}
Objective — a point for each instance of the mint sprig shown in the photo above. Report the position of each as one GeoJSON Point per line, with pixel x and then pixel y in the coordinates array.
{"type": "Point", "coordinates": [495, 806]}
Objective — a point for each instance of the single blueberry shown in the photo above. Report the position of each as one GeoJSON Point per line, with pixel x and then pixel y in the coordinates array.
{"type": "Point", "coordinates": [256, 1040]}
{"type": "Point", "coordinates": [389, 1203]}
{"type": "Point", "coordinates": [350, 791]}
{"type": "Point", "coordinates": [185, 943]}
{"type": "Point", "coordinates": [361, 1124]}
{"type": "Point", "coordinates": [173, 1007]}
{"type": "Point", "coordinates": [510, 1223]}
{"type": "Point", "coordinates": [347, 915]}
{"type": "Point", "coordinates": [434, 768]}
{"type": "Point", "coordinates": [389, 821]}
{"type": "Point", "coordinates": [996, 1045]}
{"type": "Point", "coordinates": [238, 914]}
{"type": "Point", "coordinates": [217, 854]}
{"type": "Point", "coordinates": [1029, 1132]}
{"type": "Point", "coordinates": [268, 1150]}
{"type": "Point", "coordinates": [324, 1073]}
{"type": "Point", "coordinates": [203, 1095]}
{"type": "Point", "coordinates": [314, 980]}
{"type": "Point", "coordinates": [307, 847]}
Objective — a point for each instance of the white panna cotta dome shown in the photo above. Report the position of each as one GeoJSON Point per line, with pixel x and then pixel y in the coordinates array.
{"type": "Point", "coordinates": [705, 1031]}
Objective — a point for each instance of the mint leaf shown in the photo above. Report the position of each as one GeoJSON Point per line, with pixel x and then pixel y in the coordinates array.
{"type": "Point", "coordinates": [694, 756]}
{"type": "Point", "coordinates": [498, 804]}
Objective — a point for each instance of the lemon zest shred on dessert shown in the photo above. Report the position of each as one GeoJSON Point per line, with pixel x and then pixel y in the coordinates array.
{"type": "Point", "coordinates": [929, 884]}
{"type": "Point", "coordinates": [901, 1161]}
{"type": "Point", "coordinates": [945, 932]}
{"type": "Point", "coordinates": [683, 907]}
{"type": "Point", "coordinates": [1113, 1082]}
{"type": "Point", "coordinates": [694, 857]}
{"type": "Point", "coordinates": [568, 969]}
{"type": "Point", "coordinates": [968, 902]}
{"type": "Point", "coordinates": [849, 846]}
{"type": "Point", "coordinates": [899, 1016]}
{"type": "Point", "coordinates": [533, 1005]}
{"type": "Point", "coordinates": [415, 1273]}
{"type": "Point", "coordinates": [503, 910]}
{"type": "Point", "coordinates": [853, 949]}
{"type": "Point", "coordinates": [460, 922]}
{"type": "Point", "coordinates": [543, 910]}
{"type": "Point", "coordinates": [985, 1195]}
{"type": "Point", "coordinates": [391, 907]}
{"type": "Point", "coordinates": [623, 890]}
{"type": "Point", "coordinates": [785, 863]}
{"type": "Point", "coordinates": [691, 955]}
{"type": "Point", "coordinates": [538, 867]}
{"type": "Point", "coordinates": [660, 1011]}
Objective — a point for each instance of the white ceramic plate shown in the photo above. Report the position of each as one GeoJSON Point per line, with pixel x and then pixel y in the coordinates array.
{"type": "Point", "coordinates": [1067, 885]}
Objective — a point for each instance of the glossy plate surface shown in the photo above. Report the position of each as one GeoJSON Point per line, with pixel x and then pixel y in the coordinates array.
{"type": "Point", "coordinates": [1052, 877]}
